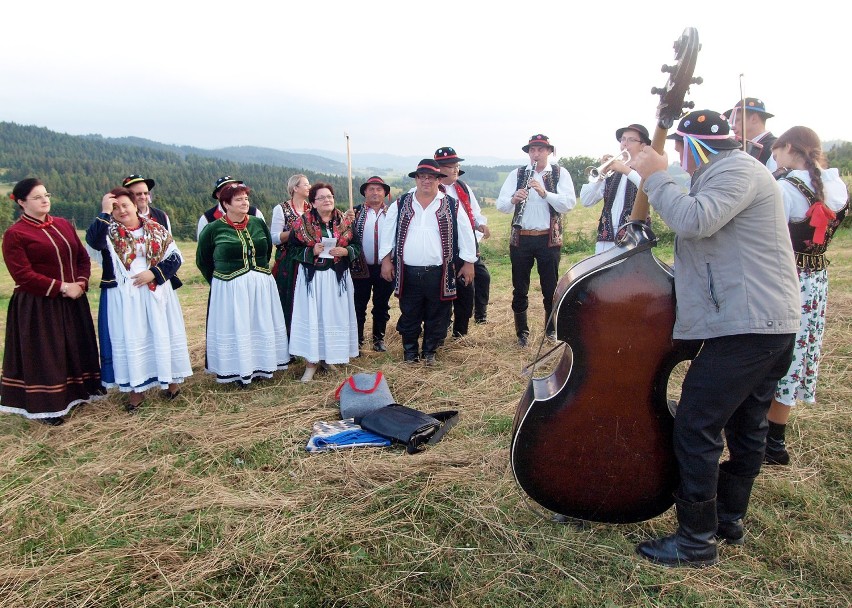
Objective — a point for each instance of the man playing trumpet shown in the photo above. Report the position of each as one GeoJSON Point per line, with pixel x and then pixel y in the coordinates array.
{"type": "Point", "coordinates": [616, 192]}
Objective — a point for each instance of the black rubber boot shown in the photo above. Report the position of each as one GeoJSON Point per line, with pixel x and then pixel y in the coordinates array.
{"type": "Point", "coordinates": [694, 543]}
{"type": "Point", "coordinates": [732, 497]}
{"type": "Point", "coordinates": [411, 350]}
{"type": "Point", "coordinates": [522, 329]}
{"type": "Point", "coordinates": [379, 337]}
{"type": "Point", "coordinates": [776, 449]}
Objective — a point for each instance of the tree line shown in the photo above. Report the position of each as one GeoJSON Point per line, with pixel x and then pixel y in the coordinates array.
{"type": "Point", "coordinates": [78, 170]}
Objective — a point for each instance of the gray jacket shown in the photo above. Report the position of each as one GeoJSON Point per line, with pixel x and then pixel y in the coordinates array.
{"type": "Point", "coordinates": [734, 267]}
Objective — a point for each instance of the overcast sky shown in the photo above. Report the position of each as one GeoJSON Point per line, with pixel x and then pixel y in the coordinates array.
{"type": "Point", "coordinates": [407, 77]}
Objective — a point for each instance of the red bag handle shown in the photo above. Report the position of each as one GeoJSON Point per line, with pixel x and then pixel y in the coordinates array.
{"type": "Point", "coordinates": [351, 382]}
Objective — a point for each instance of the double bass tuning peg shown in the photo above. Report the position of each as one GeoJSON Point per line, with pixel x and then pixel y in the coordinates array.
{"type": "Point", "coordinates": [688, 105]}
{"type": "Point", "coordinates": [668, 69]}
{"type": "Point", "coordinates": [658, 91]}
{"type": "Point", "coordinates": [697, 80]}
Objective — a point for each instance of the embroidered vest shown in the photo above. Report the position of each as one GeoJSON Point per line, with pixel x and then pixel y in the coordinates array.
{"type": "Point", "coordinates": [448, 229]}
{"type": "Point", "coordinates": [550, 179]}
{"type": "Point", "coordinates": [606, 231]}
{"type": "Point", "coordinates": [810, 255]}
{"type": "Point", "coordinates": [360, 269]}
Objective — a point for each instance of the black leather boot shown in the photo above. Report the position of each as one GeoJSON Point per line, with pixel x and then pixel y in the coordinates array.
{"type": "Point", "coordinates": [731, 503]}
{"type": "Point", "coordinates": [694, 543]}
{"type": "Point", "coordinates": [379, 337]}
{"type": "Point", "coordinates": [360, 335]}
{"type": "Point", "coordinates": [411, 350]}
{"type": "Point", "coordinates": [522, 329]}
{"type": "Point", "coordinates": [776, 449]}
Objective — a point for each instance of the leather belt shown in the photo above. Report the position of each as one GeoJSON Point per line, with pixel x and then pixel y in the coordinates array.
{"type": "Point", "coordinates": [533, 232]}
{"type": "Point", "coordinates": [420, 268]}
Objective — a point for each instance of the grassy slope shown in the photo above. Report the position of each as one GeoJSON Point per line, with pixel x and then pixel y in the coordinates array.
{"type": "Point", "coordinates": [211, 500]}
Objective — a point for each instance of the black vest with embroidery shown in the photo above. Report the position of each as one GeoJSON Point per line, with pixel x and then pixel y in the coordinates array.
{"type": "Point", "coordinates": [360, 269]}
{"type": "Point", "coordinates": [449, 235]}
{"type": "Point", "coordinates": [810, 255]}
{"type": "Point", "coordinates": [550, 179]}
{"type": "Point", "coordinates": [606, 231]}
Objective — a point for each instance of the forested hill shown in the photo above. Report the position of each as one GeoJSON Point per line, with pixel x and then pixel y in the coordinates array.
{"type": "Point", "coordinates": [78, 170]}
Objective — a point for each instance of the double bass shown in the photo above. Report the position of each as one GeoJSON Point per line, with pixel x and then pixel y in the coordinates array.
{"type": "Point", "coordinates": [592, 439]}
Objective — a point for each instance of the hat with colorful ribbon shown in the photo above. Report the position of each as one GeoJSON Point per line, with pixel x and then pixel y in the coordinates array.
{"type": "Point", "coordinates": [703, 132]}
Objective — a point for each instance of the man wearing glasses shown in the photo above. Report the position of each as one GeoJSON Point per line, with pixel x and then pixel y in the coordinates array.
{"type": "Point", "coordinates": [472, 298]}
{"type": "Point", "coordinates": [141, 188]}
{"type": "Point", "coordinates": [536, 195]}
{"type": "Point", "coordinates": [427, 232]}
{"type": "Point", "coordinates": [618, 191]}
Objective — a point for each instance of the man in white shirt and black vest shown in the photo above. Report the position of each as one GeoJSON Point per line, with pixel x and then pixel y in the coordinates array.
{"type": "Point", "coordinates": [366, 270]}
{"type": "Point", "coordinates": [537, 195]}
{"type": "Point", "coordinates": [471, 298]}
{"type": "Point", "coordinates": [214, 213]}
{"type": "Point", "coordinates": [427, 233]}
{"type": "Point", "coordinates": [618, 191]}
{"type": "Point", "coordinates": [141, 188]}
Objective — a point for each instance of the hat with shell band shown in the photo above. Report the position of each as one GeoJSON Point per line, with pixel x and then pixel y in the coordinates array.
{"type": "Point", "coordinates": [222, 182]}
{"type": "Point", "coordinates": [540, 140]}
{"type": "Point", "coordinates": [135, 179]}
{"type": "Point", "coordinates": [752, 104]}
{"type": "Point", "coordinates": [448, 156]}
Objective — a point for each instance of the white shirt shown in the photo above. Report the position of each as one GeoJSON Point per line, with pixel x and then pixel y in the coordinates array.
{"type": "Point", "coordinates": [369, 244]}
{"type": "Point", "coordinates": [278, 224]}
{"type": "Point", "coordinates": [422, 246]}
{"type": "Point", "coordinates": [770, 163]}
{"type": "Point", "coordinates": [202, 221]}
{"type": "Point", "coordinates": [168, 226]}
{"type": "Point", "coordinates": [536, 213]}
{"type": "Point", "coordinates": [795, 203]}
{"type": "Point", "coordinates": [480, 219]}
{"type": "Point", "coordinates": [592, 193]}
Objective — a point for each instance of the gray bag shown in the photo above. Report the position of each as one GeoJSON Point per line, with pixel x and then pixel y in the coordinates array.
{"type": "Point", "coordinates": [363, 393]}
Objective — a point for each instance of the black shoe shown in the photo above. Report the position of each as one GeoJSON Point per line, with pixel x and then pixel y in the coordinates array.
{"type": "Point", "coordinates": [54, 421]}
{"type": "Point", "coordinates": [130, 407]}
{"type": "Point", "coordinates": [481, 321]}
{"type": "Point", "coordinates": [171, 396]}
{"type": "Point", "coordinates": [551, 335]}
{"type": "Point", "coordinates": [694, 543]}
{"type": "Point", "coordinates": [523, 340]}
{"type": "Point", "coordinates": [429, 358]}
{"type": "Point", "coordinates": [379, 346]}
{"type": "Point", "coordinates": [776, 453]}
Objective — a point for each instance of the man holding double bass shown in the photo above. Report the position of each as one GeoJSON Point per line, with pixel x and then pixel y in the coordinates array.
{"type": "Point", "coordinates": [737, 293]}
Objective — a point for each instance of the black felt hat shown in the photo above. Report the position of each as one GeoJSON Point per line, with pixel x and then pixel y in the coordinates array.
{"type": "Point", "coordinates": [710, 127]}
{"type": "Point", "coordinates": [752, 104]}
{"type": "Point", "coordinates": [222, 182]}
{"type": "Point", "coordinates": [448, 156]}
{"type": "Point", "coordinates": [428, 166]}
{"type": "Point", "coordinates": [135, 179]}
{"type": "Point", "coordinates": [539, 139]}
{"type": "Point", "coordinates": [375, 180]}
{"type": "Point", "coordinates": [642, 131]}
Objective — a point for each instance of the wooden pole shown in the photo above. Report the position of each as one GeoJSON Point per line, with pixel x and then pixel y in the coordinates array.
{"type": "Point", "coordinates": [349, 163]}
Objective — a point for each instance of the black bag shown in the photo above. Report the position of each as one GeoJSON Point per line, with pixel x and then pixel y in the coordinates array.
{"type": "Point", "coordinates": [408, 426]}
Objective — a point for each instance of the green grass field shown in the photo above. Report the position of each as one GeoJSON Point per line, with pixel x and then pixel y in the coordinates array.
{"type": "Point", "coordinates": [211, 500]}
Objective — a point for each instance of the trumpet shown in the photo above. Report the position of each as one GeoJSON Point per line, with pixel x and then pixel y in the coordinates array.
{"type": "Point", "coordinates": [596, 174]}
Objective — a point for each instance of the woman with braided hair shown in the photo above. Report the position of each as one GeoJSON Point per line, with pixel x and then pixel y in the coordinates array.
{"type": "Point", "coordinates": [815, 202]}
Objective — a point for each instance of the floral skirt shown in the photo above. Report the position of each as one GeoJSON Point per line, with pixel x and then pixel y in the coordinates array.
{"type": "Point", "coordinates": [801, 379]}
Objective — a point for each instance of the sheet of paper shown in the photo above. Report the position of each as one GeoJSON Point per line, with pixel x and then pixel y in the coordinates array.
{"type": "Point", "coordinates": [328, 243]}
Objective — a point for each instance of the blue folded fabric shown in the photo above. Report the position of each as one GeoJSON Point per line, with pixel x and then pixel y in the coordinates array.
{"type": "Point", "coordinates": [328, 436]}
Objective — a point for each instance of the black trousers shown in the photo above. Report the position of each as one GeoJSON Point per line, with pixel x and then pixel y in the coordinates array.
{"type": "Point", "coordinates": [534, 250]}
{"type": "Point", "coordinates": [729, 386]}
{"type": "Point", "coordinates": [421, 307]}
{"type": "Point", "coordinates": [471, 300]}
{"type": "Point", "coordinates": [381, 292]}
{"type": "Point", "coordinates": [481, 289]}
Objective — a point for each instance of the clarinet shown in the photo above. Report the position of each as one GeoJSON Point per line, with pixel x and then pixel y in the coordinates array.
{"type": "Point", "coordinates": [521, 207]}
